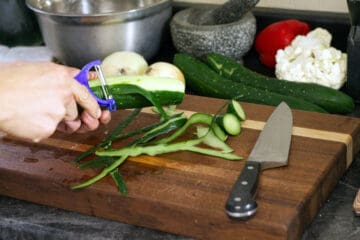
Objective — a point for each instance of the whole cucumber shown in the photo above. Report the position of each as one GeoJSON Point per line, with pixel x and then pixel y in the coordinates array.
{"type": "Point", "coordinates": [164, 90]}
{"type": "Point", "coordinates": [332, 100]}
{"type": "Point", "coordinates": [201, 79]}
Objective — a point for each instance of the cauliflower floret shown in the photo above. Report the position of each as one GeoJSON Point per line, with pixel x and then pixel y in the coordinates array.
{"type": "Point", "coordinates": [310, 58]}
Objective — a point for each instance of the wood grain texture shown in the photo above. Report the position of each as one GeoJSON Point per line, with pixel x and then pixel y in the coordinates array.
{"type": "Point", "coordinates": [185, 193]}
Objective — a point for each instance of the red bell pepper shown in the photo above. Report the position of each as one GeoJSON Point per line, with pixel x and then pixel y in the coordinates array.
{"type": "Point", "coordinates": [277, 36]}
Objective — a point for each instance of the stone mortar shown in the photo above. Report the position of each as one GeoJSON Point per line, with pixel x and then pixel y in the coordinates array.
{"type": "Point", "coordinates": [190, 36]}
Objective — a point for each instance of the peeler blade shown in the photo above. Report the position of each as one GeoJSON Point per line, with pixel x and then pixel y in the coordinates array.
{"type": "Point", "coordinates": [82, 78]}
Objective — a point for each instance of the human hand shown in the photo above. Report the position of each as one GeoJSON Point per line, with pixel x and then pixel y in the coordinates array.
{"type": "Point", "coordinates": [38, 98]}
{"type": "Point", "coordinates": [89, 123]}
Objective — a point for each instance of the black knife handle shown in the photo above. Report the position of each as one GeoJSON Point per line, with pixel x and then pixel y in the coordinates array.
{"type": "Point", "coordinates": [241, 204]}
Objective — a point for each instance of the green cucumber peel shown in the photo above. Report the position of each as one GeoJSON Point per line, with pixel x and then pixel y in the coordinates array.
{"type": "Point", "coordinates": [108, 140]}
{"type": "Point", "coordinates": [149, 96]}
{"type": "Point", "coordinates": [153, 150]}
{"type": "Point", "coordinates": [169, 125]}
{"type": "Point", "coordinates": [97, 163]}
{"type": "Point", "coordinates": [149, 128]}
{"type": "Point", "coordinates": [119, 181]}
{"type": "Point", "coordinates": [137, 131]}
{"type": "Point", "coordinates": [103, 173]}
{"type": "Point", "coordinates": [196, 118]}
{"type": "Point", "coordinates": [170, 110]}
{"type": "Point", "coordinates": [111, 159]}
{"type": "Point", "coordinates": [210, 139]}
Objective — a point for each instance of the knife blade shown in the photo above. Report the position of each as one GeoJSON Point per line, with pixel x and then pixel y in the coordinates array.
{"type": "Point", "coordinates": [271, 150]}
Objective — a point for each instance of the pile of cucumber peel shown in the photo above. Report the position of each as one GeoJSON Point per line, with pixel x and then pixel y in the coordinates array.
{"type": "Point", "coordinates": [162, 137]}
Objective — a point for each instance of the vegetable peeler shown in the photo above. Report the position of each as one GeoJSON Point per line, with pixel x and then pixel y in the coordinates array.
{"type": "Point", "coordinates": [82, 78]}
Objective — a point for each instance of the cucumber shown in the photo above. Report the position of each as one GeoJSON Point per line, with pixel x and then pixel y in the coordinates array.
{"type": "Point", "coordinates": [201, 79]}
{"type": "Point", "coordinates": [235, 108]}
{"type": "Point", "coordinates": [333, 101]}
{"type": "Point", "coordinates": [164, 90]}
{"type": "Point", "coordinates": [230, 123]}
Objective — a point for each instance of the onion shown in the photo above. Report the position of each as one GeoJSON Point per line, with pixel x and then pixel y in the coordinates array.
{"type": "Point", "coordinates": [164, 69]}
{"type": "Point", "coordinates": [124, 63]}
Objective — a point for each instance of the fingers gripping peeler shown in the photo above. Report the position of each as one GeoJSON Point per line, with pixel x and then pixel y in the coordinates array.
{"type": "Point", "coordinates": [82, 78]}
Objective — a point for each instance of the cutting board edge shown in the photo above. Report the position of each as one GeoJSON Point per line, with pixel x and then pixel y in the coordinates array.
{"type": "Point", "coordinates": [203, 231]}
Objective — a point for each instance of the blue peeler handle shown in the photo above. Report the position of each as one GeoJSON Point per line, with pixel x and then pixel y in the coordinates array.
{"type": "Point", "coordinates": [82, 78]}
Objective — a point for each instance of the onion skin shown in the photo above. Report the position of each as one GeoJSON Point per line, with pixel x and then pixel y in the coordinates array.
{"type": "Point", "coordinates": [165, 69]}
{"type": "Point", "coordinates": [124, 63]}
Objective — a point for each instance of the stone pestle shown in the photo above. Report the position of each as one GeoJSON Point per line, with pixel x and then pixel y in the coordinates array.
{"type": "Point", "coordinates": [228, 12]}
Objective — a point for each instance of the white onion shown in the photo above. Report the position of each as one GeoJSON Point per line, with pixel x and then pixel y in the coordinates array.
{"type": "Point", "coordinates": [124, 63]}
{"type": "Point", "coordinates": [164, 69]}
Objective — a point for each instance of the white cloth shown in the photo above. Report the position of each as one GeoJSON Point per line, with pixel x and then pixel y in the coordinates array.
{"type": "Point", "coordinates": [25, 53]}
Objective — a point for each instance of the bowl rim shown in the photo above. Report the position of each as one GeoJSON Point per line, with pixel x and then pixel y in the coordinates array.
{"type": "Point", "coordinates": [143, 11]}
{"type": "Point", "coordinates": [180, 19]}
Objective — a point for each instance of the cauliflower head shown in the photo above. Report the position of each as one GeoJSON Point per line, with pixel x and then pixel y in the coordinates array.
{"type": "Point", "coordinates": [310, 58]}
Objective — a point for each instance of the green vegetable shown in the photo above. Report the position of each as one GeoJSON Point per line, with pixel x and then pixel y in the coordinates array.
{"type": "Point", "coordinates": [108, 141]}
{"type": "Point", "coordinates": [110, 159]}
{"type": "Point", "coordinates": [331, 100]}
{"type": "Point", "coordinates": [153, 150]}
{"type": "Point", "coordinates": [174, 122]}
{"type": "Point", "coordinates": [196, 118]}
{"type": "Point", "coordinates": [230, 123]}
{"type": "Point", "coordinates": [98, 163]}
{"type": "Point", "coordinates": [204, 81]}
{"type": "Point", "coordinates": [103, 173]}
{"type": "Point", "coordinates": [235, 108]}
{"type": "Point", "coordinates": [209, 138]}
{"type": "Point", "coordinates": [141, 91]}
{"type": "Point", "coordinates": [119, 181]}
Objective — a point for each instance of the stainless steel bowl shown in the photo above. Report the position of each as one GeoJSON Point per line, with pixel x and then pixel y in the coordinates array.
{"type": "Point", "coordinates": [79, 31]}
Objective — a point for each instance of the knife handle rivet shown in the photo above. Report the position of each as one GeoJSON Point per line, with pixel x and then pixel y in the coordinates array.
{"type": "Point", "coordinates": [250, 167]}
{"type": "Point", "coordinates": [244, 183]}
{"type": "Point", "coordinates": [237, 199]}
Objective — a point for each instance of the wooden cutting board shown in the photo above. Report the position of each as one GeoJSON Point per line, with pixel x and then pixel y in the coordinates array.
{"type": "Point", "coordinates": [185, 193]}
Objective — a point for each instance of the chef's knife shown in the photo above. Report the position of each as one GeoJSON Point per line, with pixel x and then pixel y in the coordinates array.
{"type": "Point", "coordinates": [271, 150]}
